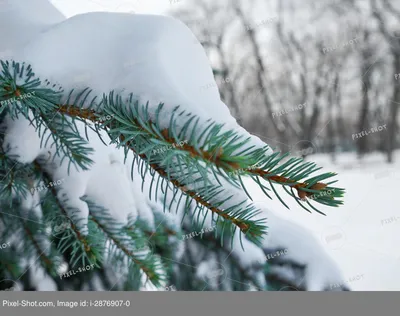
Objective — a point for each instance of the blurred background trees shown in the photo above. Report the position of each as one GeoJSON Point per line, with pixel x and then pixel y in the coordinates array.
{"type": "Point", "coordinates": [311, 76]}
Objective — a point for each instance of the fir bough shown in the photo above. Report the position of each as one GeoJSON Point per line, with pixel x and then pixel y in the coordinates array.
{"type": "Point", "coordinates": [199, 160]}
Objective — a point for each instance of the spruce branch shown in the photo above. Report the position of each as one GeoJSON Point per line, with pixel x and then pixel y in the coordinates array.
{"type": "Point", "coordinates": [9, 259]}
{"type": "Point", "coordinates": [92, 250]}
{"type": "Point", "coordinates": [48, 264]}
{"type": "Point", "coordinates": [219, 152]}
{"type": "Point", "coordinates": [125, 245]}
{"type": "Point", "coordinates": [12, 179]}
{"type": "Point", "coordinates": [204, 150]}
{"type": "Point", "coordinates": [254, 229]}
{"type": "Point", "coordinates": [36, 242]}
{"type": "Point", "coordinates": [39, 106]}
{"type": "Point", "coordinates": [83, 247]}
{"type": "Point", "coordinates": [208, 238]}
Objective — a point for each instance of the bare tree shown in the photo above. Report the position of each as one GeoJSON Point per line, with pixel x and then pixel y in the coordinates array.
{"type": "Point", "coordinates": [395, 51]}
{"type": "Point", "coordinates": [365, 72]}
{"type": "Point", "coordinates": [261, 72]}
{"type": "Point", "coordinates": [319, 65]}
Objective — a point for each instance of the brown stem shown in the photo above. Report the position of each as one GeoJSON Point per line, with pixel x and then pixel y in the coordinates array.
{"type": "Point", "coordinates": [43, 257]}
{"type": "Point", "coordinates": [283, 180]}
{"type": "Point", "coordinates": [78, 112]}
{"type": "Point", "coordinates": [80, 237]}
{"type": "Point", "coordinates": [215, 157]}
{"type": "Point", "coordinates": [243, 226]}
{"type": "Point", "coordinates": [129, 253]}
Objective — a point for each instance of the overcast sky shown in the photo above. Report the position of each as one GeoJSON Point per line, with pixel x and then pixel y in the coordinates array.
{"type": "Point", "coordinates": [72, 7]}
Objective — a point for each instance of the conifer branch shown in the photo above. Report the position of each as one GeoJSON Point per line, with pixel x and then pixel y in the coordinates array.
{"type": "Point", "coordinates": [221, 157]}
{"type": "Point", "coordinates": [205, 150]}
{"type": "Point", "coordinates": [47, 263]}
{"type": "Point", "coordinates": [90, 114]}
{"type": "Point", "coordinates": [80, 237]}
{"type": "Point", "coordinates": [119, 244]}
{"type": "Point", "coordinates": [210, 238]}
{"type": "Point", "coordinates": [116, 233]}
{"type": "Point", "coordinates": [215, 156]}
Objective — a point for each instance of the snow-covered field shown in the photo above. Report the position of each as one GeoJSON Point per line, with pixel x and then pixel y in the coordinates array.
{"type": "Point", "coordinates": [363, 235]}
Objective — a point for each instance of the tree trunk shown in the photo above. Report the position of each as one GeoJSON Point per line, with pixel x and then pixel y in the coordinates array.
{"type": "Point", "coordinates": [393, 112]}
{"type": "Point", "coordinates": [362, 143]}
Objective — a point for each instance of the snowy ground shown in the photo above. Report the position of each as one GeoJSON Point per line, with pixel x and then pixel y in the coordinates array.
{"type": "Point", "coordinates": [363, 235]}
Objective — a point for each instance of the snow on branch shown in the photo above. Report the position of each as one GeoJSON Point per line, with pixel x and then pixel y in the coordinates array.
{"type": "Point", "coordinates": [208, 154]}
